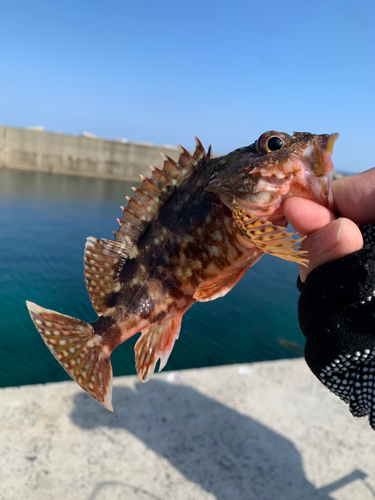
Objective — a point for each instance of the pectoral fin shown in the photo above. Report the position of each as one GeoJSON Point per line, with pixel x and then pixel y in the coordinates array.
{"type": "Point", "coordinates": [211, 290]}
{"type": "Point", "coordinates": [274, 240]}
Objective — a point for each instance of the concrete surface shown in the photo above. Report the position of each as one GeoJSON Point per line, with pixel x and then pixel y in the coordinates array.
{"type": "Point", "coordinates": [86, 155]}
{"type": "Point", "coordinates": [258, 431]}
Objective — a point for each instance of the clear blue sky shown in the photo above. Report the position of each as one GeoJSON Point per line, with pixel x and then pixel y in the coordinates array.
{"type": "Point", "coordinates": [163, 71]}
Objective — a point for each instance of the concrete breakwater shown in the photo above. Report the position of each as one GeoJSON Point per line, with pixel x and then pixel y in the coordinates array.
{"type": "Point", "coordinates": [87, 155]}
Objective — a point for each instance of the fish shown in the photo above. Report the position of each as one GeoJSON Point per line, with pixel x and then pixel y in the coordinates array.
{"type": "Point", "coordinates": [189, 234]}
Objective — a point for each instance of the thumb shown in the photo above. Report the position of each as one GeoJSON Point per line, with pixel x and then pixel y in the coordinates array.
{"type": "Point", "coordinates": [333, 241]}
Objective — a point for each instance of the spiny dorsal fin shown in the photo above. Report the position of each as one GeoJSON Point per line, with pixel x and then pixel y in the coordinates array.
{"type": "Point", "coordinates": [103, 260]}
{"type": "Point", "coordinates": [199, 153]}
{"type": "Point", "coordinates": [147, 201]}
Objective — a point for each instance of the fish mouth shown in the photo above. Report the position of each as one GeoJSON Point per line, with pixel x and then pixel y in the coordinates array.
{"type": "Point", "coordinates": [317, 166]}
{"type": "Point", "coordinates": [321, 182]}
{"type": "Point", "coordinates": [317, 157]}
{"type": "Point", "coordinates": [325, 144]}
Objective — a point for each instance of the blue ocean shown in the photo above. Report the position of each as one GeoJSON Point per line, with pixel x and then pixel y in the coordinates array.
{"type": "Point", "coordinates": [44, 222]}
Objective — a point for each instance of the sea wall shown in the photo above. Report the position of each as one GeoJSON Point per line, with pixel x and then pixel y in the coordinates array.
{"type": "Point", "coordinates": [33, 149]}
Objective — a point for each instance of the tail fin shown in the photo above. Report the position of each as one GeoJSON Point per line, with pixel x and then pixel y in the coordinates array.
{"type": "Point", "coordinates": [78, 349]}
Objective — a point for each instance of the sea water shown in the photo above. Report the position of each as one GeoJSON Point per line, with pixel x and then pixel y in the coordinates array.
{"type": "Point", "coordinates": [44, 222]}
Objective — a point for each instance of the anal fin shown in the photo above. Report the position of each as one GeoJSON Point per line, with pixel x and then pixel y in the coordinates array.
{"type": "Point", "coordinates": [211, 290]}
{"type": "Point", "coordinates": [269, 238]}
{"type": "Point", "coordinates": [156, 342]}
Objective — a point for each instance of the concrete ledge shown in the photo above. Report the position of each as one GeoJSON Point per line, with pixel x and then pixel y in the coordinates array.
{"type": "Point", "coordinates": [259, 431]}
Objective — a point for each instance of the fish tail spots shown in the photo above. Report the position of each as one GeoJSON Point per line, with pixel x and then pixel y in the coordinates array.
{"type": "Point", "coordinates": [156, 342]}
{"type": "Point", "coordinates": [79, 350]}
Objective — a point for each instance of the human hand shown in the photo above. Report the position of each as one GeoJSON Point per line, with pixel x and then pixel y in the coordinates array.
{"type": "Point", "coordinates": [330, 238]}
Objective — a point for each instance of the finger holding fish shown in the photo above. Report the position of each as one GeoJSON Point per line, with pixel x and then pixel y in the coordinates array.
{"type": "Point", "coordinates": [327, 237]}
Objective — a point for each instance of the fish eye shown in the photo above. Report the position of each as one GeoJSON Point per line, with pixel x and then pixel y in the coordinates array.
{"type": "Point", "coordinates": [272, 141]}
{"type": "Point", "coordinates": [275, 143]}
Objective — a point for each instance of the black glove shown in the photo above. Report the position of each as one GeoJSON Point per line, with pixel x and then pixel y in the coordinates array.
{"type": "Point", "coordinates": [336, 313]}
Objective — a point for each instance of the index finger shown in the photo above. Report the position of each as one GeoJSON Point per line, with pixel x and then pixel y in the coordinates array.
{"type": "Point", "coordinates": [306, 216]}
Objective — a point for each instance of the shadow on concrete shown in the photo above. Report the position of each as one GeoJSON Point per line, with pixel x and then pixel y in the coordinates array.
{"type": "Point", "coordinates": [228, 454]}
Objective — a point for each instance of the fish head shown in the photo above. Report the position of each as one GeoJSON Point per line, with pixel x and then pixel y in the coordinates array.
{"type": "Point", "coordinates": [310, 164]}
{"type": "Point", "coordinates": [274, 167]}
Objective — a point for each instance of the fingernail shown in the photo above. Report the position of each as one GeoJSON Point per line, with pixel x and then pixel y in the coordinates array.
{"type": "Point", "coordinates": [329, 238]}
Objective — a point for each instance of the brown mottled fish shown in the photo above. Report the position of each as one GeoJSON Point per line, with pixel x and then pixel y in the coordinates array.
{"type": "Point", "coordinates": [189, 234]}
